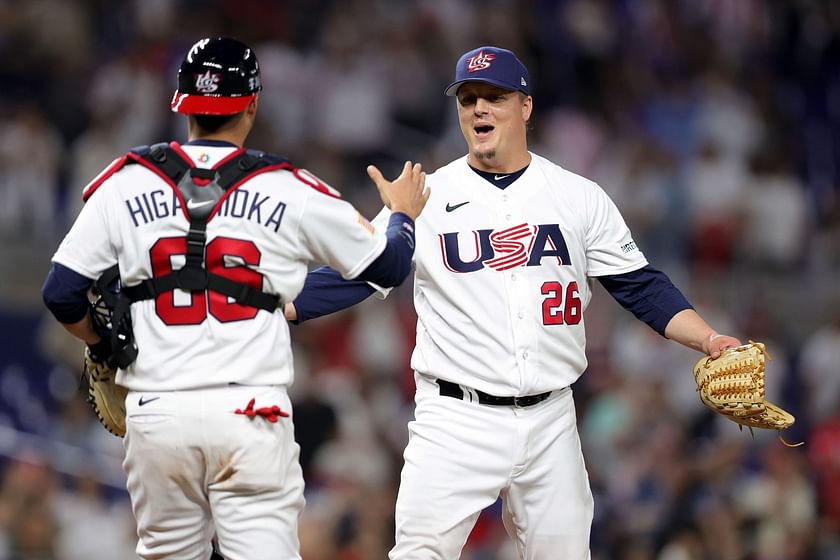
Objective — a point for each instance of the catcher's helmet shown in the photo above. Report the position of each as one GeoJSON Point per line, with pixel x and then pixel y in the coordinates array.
{"type": "Point", "coordinates": [219, 76]}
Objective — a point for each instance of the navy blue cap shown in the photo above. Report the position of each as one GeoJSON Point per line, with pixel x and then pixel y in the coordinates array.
{"type": "Point", "coordinates": [492, 65]}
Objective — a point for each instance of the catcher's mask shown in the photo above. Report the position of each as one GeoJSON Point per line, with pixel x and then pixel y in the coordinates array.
{"type": "Point", "coordinates": [111, 318]}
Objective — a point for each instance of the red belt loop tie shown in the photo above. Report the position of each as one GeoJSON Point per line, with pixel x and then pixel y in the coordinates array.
{"type": "Point", "coordinates": [270, 413]}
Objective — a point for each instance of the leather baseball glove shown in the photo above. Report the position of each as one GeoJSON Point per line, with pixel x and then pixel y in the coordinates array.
{"type": "Point", "coordinates": [105, 397]}
{"type": "Point", "coordinates": [733, 385]}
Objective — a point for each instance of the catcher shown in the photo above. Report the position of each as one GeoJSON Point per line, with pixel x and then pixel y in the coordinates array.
{"type": "Point", "coordinates": [732, 383]}
{"type": "Point", "coordinates": [211, 238]}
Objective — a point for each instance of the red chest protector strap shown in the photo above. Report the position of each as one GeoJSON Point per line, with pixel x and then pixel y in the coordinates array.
{"type": "Point", "coordinates": [201, 192]}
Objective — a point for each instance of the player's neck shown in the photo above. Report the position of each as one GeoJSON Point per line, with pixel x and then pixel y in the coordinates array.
{"type": "Point", "coordinates": [236, 133]}
{"type": "Point", "coordinates": [236, 139]}
{"type": "Point", "coordinates": [497, 164]}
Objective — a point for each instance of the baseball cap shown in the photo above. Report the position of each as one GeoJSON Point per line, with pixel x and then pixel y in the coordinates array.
{"type": "Point", "coordinates": [218, 76]}
{"type": "Point", "coordinates": [492, 65]}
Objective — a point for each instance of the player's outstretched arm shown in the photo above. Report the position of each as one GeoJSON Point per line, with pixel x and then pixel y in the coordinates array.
{"type": "Point", "coordinates": [689, 329]}
{"type": "Point", "coordinates": [407, 193]}
{"type": "Point", "coordinates": [325, 291]}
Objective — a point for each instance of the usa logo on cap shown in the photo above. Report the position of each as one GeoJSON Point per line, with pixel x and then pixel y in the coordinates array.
{"type": "Point", "coordinates": [480, 61]}
{"type": "Point", "coordinates": [207, 82]}
{"type": "Point", "coordinates": [492, 65]}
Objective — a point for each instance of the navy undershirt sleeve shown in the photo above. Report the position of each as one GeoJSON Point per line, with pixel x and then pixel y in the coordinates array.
{"type": "Point", "coordinates": [325, 291]}
{"type": "Point", "coordinates": [648, 294]}
{"type": "Point", "coordinates": [394, 264]}
{"type": "Point", "coordinates": [65, 294]}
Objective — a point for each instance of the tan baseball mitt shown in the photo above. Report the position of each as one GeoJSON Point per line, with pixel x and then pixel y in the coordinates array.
{"type": "Point", "coordinates": [105, 397]}
{"type": "Point", "coordinates": [733, 385]}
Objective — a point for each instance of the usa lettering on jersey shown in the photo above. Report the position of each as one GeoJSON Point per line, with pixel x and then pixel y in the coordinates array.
{"type": "Point", "coordinates": [521, 245]}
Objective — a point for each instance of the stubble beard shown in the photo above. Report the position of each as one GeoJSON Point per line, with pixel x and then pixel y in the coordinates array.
{"type": "Point", "coordinates": [487, 155]}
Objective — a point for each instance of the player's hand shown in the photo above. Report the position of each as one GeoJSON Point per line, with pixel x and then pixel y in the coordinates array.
{"type": "Point", "coordinates": [719, 342]}
{"type": "Point", "coordinates": [290, 311]}
{"type": "Point", "coordinates": [407, 193]}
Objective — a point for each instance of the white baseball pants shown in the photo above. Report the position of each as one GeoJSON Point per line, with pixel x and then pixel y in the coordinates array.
{"type": "Point", "coordinates": [195, 468]}
{"type": "Point", "coordinates": [461, 456]}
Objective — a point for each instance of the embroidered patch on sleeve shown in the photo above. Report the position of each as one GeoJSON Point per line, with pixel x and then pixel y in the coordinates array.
{"type": "Point", "coordinates": [366, 224]}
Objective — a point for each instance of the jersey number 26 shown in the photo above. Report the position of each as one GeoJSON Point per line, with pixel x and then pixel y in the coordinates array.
{"type": "Point", "coordinates": [554, 311]}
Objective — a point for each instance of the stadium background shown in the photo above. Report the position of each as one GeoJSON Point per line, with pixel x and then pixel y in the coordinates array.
{"type": "Point", "coordinates": [714, 124]}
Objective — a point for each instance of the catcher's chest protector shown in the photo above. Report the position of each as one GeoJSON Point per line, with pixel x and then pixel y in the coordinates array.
{"type": "Point", "coordinates": [201, 189]}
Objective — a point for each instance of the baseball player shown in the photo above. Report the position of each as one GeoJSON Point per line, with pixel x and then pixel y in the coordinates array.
{"type": "Point", "coordinates": [506, 250]}
{"type": "Point", "coordinates": [210, 238]}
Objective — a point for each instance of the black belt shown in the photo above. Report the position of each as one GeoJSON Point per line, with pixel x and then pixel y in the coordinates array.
{"type": "Point", "coordinates": [449, 389]}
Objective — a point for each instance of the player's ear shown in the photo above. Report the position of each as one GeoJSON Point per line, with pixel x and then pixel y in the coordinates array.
{"type": "Point", "coordinates": [251, 109]}
{"type": "Point", "coordinates": [527, 107]}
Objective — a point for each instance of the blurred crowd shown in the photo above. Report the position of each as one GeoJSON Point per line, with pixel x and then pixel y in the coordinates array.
{"type": "Point", "coordinates": [714, 125]}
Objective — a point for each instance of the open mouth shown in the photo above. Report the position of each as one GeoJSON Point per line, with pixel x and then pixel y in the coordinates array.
{"type": "Point", "coordinates": [483, 129]}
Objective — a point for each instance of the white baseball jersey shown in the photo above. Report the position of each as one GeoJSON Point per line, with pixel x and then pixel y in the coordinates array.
{"type": "Point", "coordinates": [264, 233]}
{"type": "Point", "coordinates": [503, 276]}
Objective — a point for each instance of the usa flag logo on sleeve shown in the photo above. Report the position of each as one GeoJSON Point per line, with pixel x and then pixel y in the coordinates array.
{"type": "Point", "coordinates": [365, 224]}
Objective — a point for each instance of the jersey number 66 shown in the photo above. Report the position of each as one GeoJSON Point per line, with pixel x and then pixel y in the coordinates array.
{"type": "Point", "coordinates": [218, 251]}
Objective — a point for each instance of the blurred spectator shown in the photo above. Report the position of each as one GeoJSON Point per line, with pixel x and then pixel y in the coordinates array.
{"type": "Point", "coordinates": [27, 521]}
{"type": "Point", "coordinates": [355, 456]}
{"type": "Point", "coordinates": [352, 95]}
{"type": "Point", "coordinates": [775, 213]}
{"type": "Point", "coordinates": [315, 425]}
{"type": "Point", "coordinates": [820, 360]}
{"type": "Point", "coordinates": [124, 104]}
{"type": "Point", "coordinates": [642, 178]}
{"type": "Point", "coordinates": [714, 184]}
{"type": "Point", "coordinates": [824, 454]}
{"type": "Point", "coordinates": [684, 544]}
{"type": "Point", "coordinates": [30, 160]}
{"type": "Point", "coordinates": [287, 109]}
{"type": "Point", "coordinates": [670, 114]}
{"type": "Point", "coordinates": [573, 138]}
{"type": "Point", "coordinates": [779, 506]}
{"type": "Point", "coordinates": [727, 116]}
{"type": "Point", "coordinates": [81, 512]}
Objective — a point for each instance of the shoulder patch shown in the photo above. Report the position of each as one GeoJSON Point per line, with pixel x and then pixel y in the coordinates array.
{"type": "Point", "coordinates": [115, 166]}
{"type": "Point", "coordinates": [365, 223]}
{"type": "Point", "coordinates": [308, 178]}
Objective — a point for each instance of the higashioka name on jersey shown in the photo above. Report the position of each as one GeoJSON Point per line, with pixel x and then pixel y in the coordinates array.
{"type": "Point", "coordinates": [521, 245]}
{"type": "Point", "coordinates": [240, 203]}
